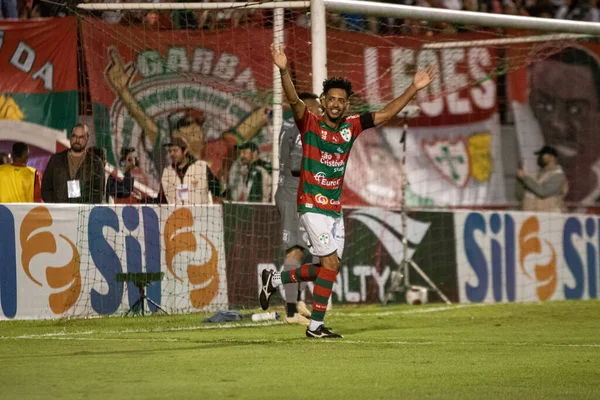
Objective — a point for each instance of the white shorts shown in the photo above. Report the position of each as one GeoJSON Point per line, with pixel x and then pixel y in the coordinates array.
{"type": "Point", "coordinates": [325, 234]}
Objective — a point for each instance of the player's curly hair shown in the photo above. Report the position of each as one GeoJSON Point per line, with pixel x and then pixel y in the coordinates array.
{"type": "Point", "coordinates": [337, 83]}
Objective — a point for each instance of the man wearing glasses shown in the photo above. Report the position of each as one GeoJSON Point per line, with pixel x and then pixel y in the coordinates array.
{"type": "Point", "coordinates": [75, 175]}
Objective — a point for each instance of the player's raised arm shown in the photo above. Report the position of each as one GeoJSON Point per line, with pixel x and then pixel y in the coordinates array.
{"type": "Point", "coordinates": [280, 59]}
{"type": "Point", "coordinates": [420, 81]}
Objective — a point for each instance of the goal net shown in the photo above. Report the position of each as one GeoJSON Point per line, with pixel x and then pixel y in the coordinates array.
{"type": "Point", "coordinates": [154, 76]}
{"type": "Point", "coordinates": [502, 92]}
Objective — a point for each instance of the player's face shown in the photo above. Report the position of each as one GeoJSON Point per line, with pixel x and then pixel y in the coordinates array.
{"type": "Point", "coordinates": [563, 99]}
{"type": "Point", "coordinates": [176, 154]}
{"type": "Point", "coordinates": [78, 139]}
{"type": "Point", "coordinates": [335, 103]}
{"type": "Point", "coordinates": [194, 135]}
{"type": "Point", "coordinates": [313, 106]}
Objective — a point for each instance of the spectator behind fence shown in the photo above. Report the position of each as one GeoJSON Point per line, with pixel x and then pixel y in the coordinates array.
{"type": "Point", "coordinates": [546, 192]}
{"type": "Point", "coordinates": [121, 189]}
{"type": "Point", "coordinates": [75, 175]}
{"type": "Point", "coordinates": [187, 180]}
{"type": "Point", "coordinates": [579, 10]}
{"type": "Point", "coordinates": [18, 182]}
{"type": "Point", "coordinates": [256, 186]}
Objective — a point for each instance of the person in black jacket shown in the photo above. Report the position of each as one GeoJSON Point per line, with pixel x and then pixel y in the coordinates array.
{"type": "Point", "coordinates": [121, 189]}
{"type": "Point", "coordinates": [75, 175]}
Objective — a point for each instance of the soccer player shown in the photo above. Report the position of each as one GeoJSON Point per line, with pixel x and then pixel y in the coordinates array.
{"type": "Point", "coordinates": [326, 144]}
{"type": "Point", "coordinates": [285, 198]}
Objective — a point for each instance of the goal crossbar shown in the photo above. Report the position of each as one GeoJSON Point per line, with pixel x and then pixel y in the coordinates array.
{"type": "Point", "coordinates": [506, 41]}
{"type": "Point", "coordinates": [461, 17]}
{"type": "Point", "coordinates": [192, 6]}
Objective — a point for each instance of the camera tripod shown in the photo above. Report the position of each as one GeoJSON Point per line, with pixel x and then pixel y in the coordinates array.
{"type": "Point", "coordinates": [141, 280]}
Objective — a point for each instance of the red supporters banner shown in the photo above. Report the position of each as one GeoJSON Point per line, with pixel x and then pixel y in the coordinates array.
{"type": "Point", "coordinates": [148, 86]}
{"type": "Point", "coordinates": [38, 56]}
{"type": "Point", "coordinates": [453, 149]}
{"type": "Point", "coordinates": [382, 67]}
{"type": "Point", "coordinates": [38, 84]}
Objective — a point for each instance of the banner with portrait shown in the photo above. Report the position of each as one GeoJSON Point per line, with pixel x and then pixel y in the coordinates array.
{"type": "Point", "coordinates": [555, 98]}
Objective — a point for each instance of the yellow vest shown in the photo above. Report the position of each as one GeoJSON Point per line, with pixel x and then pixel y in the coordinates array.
{"type": "Point", "coordinates": [16, 184]}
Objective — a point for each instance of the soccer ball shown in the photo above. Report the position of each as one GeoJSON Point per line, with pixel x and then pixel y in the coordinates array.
{"type": "Point", "coordinates": [416, 295]}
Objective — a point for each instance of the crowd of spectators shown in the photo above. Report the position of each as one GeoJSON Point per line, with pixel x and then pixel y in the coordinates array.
{"type": "Point", "coordinates": [249, 178]}
{"type": "Point", "coordinates": [79, 175]}
{"type": "Point", "coordinates": [579, 10]}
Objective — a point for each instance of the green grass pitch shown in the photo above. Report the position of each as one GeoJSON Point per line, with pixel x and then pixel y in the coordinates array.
{"type": "Point", "coordinates": [506, 351]}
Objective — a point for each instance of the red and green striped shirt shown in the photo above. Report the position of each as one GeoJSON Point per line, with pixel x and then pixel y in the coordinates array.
{"type": "Point", "coordinates": [325, 153]}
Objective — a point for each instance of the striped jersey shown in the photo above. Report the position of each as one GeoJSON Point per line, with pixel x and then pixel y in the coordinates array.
{"type": "Point", "coordinates": [325, 152]}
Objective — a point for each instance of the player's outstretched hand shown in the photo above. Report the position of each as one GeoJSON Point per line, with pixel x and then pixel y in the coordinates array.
{"type": "Point", "coordinates": [279, 57]}
{"type": "Point", "coordinates": [424, 78]}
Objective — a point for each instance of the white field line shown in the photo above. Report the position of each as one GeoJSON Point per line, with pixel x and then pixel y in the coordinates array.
{"type": "Point", "coordinates": [279, 341]}
{"type": "Point", "coordinates": [415, 311]}
{"type": "Point", "coordinates": [467, 343]}
{"type": "Point", "coordinates": [229, 326]}
{"type": "Point", "coordinates": [153, 330]}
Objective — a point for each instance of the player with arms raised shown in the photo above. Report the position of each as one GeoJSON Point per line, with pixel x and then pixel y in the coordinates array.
{"type": "Point", "coordinates": [326, 144]}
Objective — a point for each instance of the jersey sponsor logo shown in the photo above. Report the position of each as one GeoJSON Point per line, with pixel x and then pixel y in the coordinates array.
{"type": "Point", "coordinates": [319, 176]}
{"type": "Point", "coordinates": [308, 205]}
{"type": "Point", "coordinates": [332, 160]}
{"type": "Point", "coordinates": [334, 202]}
{"type": "Point", "coordinates": [346, 134]}
{"type": "Point", "coordinates": [319, 198]}
{"type": "Point", "coordinates": [323, 181]}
